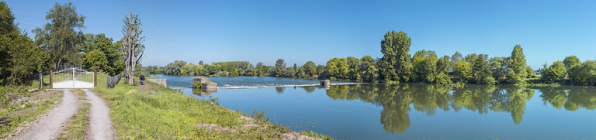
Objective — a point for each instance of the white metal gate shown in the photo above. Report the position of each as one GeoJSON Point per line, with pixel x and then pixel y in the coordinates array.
{"type": "Point", "coordinates": [72, 78]}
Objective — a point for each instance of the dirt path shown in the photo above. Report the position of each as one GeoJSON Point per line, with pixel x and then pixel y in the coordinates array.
{"type": "Point", "coordinates": [100, 124]}
{"type": "Point", "coordinates": [50, 125]}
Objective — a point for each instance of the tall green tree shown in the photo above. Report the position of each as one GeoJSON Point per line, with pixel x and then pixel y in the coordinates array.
{"type": "Point", "coordinates": [555, 72]}
{"type": "Point", "coordinates": [310, 69]}
{"type": "Point", "coordinates": [570, 61]}
{"type": "Point", "coordinates": [583, 74]}
{"type": "Point", "coordinates": [454, 58]}
{"type": "Point", "coordinates": [331, 68]}
{"type": "Point", "coordinates": [110, 49]}
{"type": "Point", "coordinates": [19, 58]}
{"type": "Point", "coordinates": [481, 69]}
{"type": "Point", "coordinates": [517, 66]}
{"type": "Point", "coordinates": [395, 63]}
{"type": "Point", "coordinates": [462, 71]}
{"type": "Point", "coordinates": [353, 65]}
{"type": "Point", "coordinates": [368, 69]}
{"type": "Point", "coordinates": [499, 68]}
{"type": "Point", "coordinates": [62, 36]}
{"type": "Point", "coordinates": [279, 65]}
{"type": "Point", "coordinates": [96, 59]}
{"type": "Point", "coordinates": [132, 45]}
{"type": "Point", "coordinates": [418, 63]}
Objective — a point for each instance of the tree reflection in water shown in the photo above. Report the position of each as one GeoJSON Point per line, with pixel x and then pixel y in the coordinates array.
{"type": "Point", "coordinates": [570, 98]}
{"type": "Point", "coordinates": [396, 100]}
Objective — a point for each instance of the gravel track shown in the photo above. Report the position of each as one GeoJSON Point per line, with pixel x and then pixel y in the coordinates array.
{"type": "Point", "coordinates": [100, 125]}
{"type": "Point", "coordinates": [50, 125]}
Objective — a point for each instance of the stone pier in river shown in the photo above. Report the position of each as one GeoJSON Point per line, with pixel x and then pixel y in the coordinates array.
{"type": "Point", "coordinates": [325, 83]}
{"type": "Point", "coordinates": [207, 86]}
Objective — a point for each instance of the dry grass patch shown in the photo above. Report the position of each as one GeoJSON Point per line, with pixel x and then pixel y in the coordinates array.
{"type": "Point", "coordinates": [18, 108]}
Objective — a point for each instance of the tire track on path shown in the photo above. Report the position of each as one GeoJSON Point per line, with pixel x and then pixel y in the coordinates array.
{"type": "Point", "coordinates": [50, 125]}
{"type": "Point", "coordinates": [100, 122]}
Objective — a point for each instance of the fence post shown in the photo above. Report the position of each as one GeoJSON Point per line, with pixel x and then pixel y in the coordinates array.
{"type": "Point", "coordinates": [51, 79]}
{"type": "Point", "coordinates": [40, 80]}
{"type": "Point", "coordinates": [95, 78]}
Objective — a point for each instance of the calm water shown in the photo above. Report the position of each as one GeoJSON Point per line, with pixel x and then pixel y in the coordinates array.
{"type": "Point", "coordinates": [411, 111]}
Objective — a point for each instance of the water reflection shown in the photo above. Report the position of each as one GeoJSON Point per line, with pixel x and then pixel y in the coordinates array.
{"type": "Point", "coordinates": [201, 93]}
{"type": "Point", "coordinates": [570, 98]}
{"type": "Point", "coordinates": [397, 100]}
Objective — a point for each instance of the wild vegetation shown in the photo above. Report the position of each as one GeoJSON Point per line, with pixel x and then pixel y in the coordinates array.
{"type": "Point", "coordinates": [155, 112]}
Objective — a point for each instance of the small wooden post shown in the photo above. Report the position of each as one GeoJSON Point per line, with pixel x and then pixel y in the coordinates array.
{"type": "Point", "coordinates": [95, 78]}
{"type": "Point", "coordinates": [51, 79]}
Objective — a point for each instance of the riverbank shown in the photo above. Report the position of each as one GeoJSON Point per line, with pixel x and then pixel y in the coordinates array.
{"type": "Point", "coordinates": [152, 111]}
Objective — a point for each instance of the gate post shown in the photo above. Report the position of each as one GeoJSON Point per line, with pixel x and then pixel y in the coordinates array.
{"type": "Point", "coordinates": [51, 79]}
{"type": "Point", "coordinates": [95, 78]}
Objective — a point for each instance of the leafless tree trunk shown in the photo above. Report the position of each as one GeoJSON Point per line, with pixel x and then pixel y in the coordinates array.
{"type": "Point", "coordinates": [132, 45]}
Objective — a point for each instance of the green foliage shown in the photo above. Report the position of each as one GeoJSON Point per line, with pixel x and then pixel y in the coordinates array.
{"type": "Point", "coordinates": [570, 61]}
{"type": "Point", "coordinates": [260, 116]}
{"type": "Point", "coordinates": [279, 65]}
{"type": "Point", "coordinates": [368, 69]}
{"type": "Point", "coordinates": [499, 67]}
{"type": "Point", "coordinates": [111, 51]}
{"type": "Point", "coordinates": [170, 115]}
{"type": "Point", "coordinates": [554, 73]}
{"type": "Point", "coordinates": [320, 69]}
{"type": "Point", "coordinates": [96, 59]}
{"type": "Point", "coordinates": [59, 37]}
{"type": "Point", "coordinates": [353, 68]}
{"type": "Point", "coordinates": [19, 58]}
{"type": "Point", "coordinates": [454, 58]}
{"type": "Point", "coordinates": [310, 69]}
{"type": "Point", "coordinates": [197, 85]}
{"type": "Point", "coordinates": [174, 68]}
{"type": "Point", "coordinates": [395, 63]}
{"type": "Point", "coordinates": [462, 71]}
{"type": "Point", "coordinates": [583, 74]}
{"type": "Point", "coordinates": [517, 66]}
{"type": "Point", "coordinates": [481, 69]}
{"type": "Point", "coordinates": [530, 72]}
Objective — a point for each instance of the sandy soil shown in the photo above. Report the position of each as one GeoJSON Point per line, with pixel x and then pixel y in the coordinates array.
{"type": "Point", "coordinates": [100, 125]}
{"type": "Point", "coordinates": [50, 125]}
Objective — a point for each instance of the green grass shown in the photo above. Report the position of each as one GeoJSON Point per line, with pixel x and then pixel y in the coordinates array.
{"type": "Point", "coordinates": [76, 128]}
{"type": "Point", "coordinates": [80, 93]}
{"type": "Point", "coordinates": [315, 135]}
{"type": "Point", "coordinates": [172, 115]}
{"type": "Point", "coordinates": [18, 106]}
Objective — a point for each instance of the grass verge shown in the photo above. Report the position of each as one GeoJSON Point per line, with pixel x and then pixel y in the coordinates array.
{"type": "Point", "coordinates": [18, 107]}
{"type": "Point", "coordinates": [76, 128]}
{"type": "Point", "coordinates": [172, 115]}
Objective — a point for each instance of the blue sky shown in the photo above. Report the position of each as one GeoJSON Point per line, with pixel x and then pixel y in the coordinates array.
{"type": "Point", "coordinates": [299, 31]}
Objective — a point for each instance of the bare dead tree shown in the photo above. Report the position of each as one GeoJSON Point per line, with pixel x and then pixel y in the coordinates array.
{"type": "Point", "coordinates": [132, 45]}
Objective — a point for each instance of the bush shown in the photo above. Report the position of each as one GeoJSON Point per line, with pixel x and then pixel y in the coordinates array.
{"type": "Point", "coordinates": [197, 85]}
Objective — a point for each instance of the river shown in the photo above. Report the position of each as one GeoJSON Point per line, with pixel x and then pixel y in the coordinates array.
{"type": "Point", "coordinates": [409, 111]}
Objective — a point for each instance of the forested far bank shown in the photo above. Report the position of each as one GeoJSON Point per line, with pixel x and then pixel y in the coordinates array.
{"type": "Point", "coordinates": [398, 65]}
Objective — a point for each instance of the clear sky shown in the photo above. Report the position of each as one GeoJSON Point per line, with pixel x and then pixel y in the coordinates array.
{"type": "Point", "coordinates": [303, 30]}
